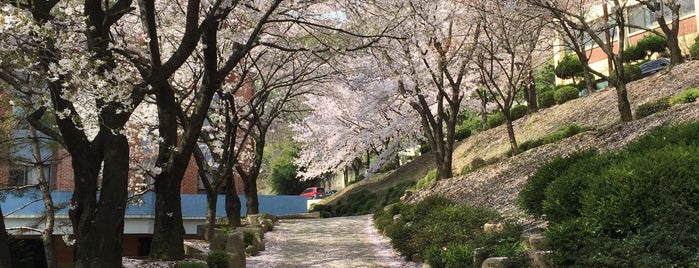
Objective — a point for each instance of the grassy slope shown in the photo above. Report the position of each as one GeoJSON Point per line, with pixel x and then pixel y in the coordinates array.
{"type": "Point", "coordinates": [497, 185]}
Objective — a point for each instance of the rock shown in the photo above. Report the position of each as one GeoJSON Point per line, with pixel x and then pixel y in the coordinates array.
{"type": "Point", "coordinates": [251, 250]}
{"type": "Point", "coordinates": [494, 262]}
{"type": "Point", "coordinates": [490, 228]}
{"type": "Point", "coordinates": [235, 247]}
{"type": "Point", "coordinates": [396, 217]}
{"type": "Point", "coordinates": [218, 241]}
{"type": "Point", "coordinates": [416, 258]}
{"type": "Point", "coordinates": [538, 258]}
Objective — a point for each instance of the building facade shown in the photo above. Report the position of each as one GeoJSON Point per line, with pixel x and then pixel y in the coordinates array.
{"type": "Point", "coordinates": [638, 17]}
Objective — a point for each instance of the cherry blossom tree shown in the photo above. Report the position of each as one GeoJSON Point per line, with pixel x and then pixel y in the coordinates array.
{"type": "Point", "coordinates": [505, 54]}
{"type": "Point", "coordinates": [572, 19]}
{"type": "Point", "coordinates": [90, 95]}
{"type": "Point", "coordinates": [432, 64]}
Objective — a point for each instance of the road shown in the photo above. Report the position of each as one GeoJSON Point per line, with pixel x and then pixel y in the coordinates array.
{"type": "Point", "coordinates": [332, 242]}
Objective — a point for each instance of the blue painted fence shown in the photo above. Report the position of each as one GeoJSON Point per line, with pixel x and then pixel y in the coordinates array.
{"type": "Point", "coordinates": [30, 204]}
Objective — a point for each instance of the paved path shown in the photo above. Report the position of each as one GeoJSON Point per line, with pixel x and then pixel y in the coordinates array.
{"type": "Point", "coordinates": [333, 242]}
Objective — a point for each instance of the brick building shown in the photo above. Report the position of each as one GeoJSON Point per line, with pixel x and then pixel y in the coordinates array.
{"type": "Point", "coordinates": [636, 15]}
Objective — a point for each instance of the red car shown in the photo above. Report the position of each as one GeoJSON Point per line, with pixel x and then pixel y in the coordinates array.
{"type": "Point", "coordinates": [313, 192]}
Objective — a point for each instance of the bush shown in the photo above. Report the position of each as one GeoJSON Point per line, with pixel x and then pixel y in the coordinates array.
{"type": "Point", "coordinates": [426, 181]}
{"type": "Point", "coordinates": [461, 133]}
{"type": "Point", "coordinates": [453, 255]}
{"type": "Point", "coordinates": [652, 43]}
{"type": "Point", "coordinates": [545, 99]}
{"type": "Point", "coordinates": [649, 108]}
{"type": "Point", "coordinates": [686, 96]}
{"type": "Point", "coordinates": [518, 111]}
{"type": "Point", "coordinates": [628, 209]}
{"type": "Point", "coordinates": [565, 132]}
{"type": "Point", "coordinates": [633, 53]}
{"type": "Point", "coordinates": [495, 119]}
{"type": "Point", "coordinates": [632, 72]}
{"type": "Point", "coordinates": [694, 51]}
{"type": "Point", "coordinates": [217, 259]}
{"type": "Point", "coordinates": [531, 196]}
{"type": "Point", "coordinates": [569, 67]}
{"type": "Point", "coordinates": [565, 94]}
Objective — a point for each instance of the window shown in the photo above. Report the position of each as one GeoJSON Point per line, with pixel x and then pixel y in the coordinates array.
{"type": "Point", "coordinates": [21, 175]}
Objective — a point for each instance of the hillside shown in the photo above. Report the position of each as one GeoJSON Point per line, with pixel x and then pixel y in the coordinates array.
{"type": "Point", "coordinates": [498, 184]}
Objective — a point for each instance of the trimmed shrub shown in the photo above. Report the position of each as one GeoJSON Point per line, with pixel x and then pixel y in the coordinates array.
{"type": "Point", "coordinates": [217, 259]}
{"type": "Point", "coordinates": [425, 148]}
{"type": "Point", "coordinates": [453, 255]}
{"type": "Point", "coordinates": [565, 94]}
{"type": "Point", "coordinates": [652, 43]}
{"type": "Point", "coordinates": [545, 99]}
{"type": "Point", "coordinates": [569, 67]}
{"type": "Point", "coordinates": [633, 53]}
{"type": "Point", "coordinates": [518, 111]}
{"type": "Point", "coordinates": [496, 119]}
{"type": "Point", "coordinates": [565, 132]}
{"type": "Point", "coordinates": [632, 72]}
{"type": "Point", "coordinates": [686, 96]}
{"type": "Point", "coordinates": [627, 209]}
{"type": "Point", "coordinates": [652, 107]}
{"type": "Point", "coordinates": [531, 196]}
{"type": "Point", "coordinates": [426, 181]}
{"type": "Point", "coordinates": [462, 133]}
{"type": "Point", "coordinates": [694, 49]}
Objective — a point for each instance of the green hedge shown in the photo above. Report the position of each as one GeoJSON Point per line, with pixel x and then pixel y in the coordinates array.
{"type": "Point", "coordinates": [565, 94]}
{"type": "Point", "coordinates": [635, 208]}
{"type": "Point", "coordinates": [633, 53]}
{"type": "Point", "coordinates": [686, 96]}
{"type": "Point", "coordinates": [632, 72]}
{"type": "Point", "coordinates": [652, 43]}
{"type": "Point", "coordinates": [446, 234]}
{"type": "Point", "coordinates": [518, 111]}
{"type": "Point", "coordinates": [652, 107]}
{"type": "Point", "coordinates": [496, 119]}
{"type": "Point", "coordinates": [545, 99]}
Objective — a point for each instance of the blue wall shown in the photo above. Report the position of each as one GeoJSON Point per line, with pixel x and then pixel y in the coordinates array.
{"type": "Point", "coordinates": [193, 205]}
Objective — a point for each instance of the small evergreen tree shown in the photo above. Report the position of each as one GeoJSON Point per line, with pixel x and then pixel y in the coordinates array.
{"type": "Point", "coordinates": [569, 67]}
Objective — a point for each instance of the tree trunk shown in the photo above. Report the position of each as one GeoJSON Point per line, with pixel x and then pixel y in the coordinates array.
{"type": "Point", "coordinates": [99, 240]}
{"type": "Point", "coordinates": [589, 81]}
{"type": "Point", "coordinates": [623, 104]}
{"type": "Point", "coordinates": [510, 132]}
{"type": "Point", "coordinates": [5, 258]}
{"type": "Point", "coordinates": [49, 210]}
{"type": "Point", "coordinates": [675, 51]}
{"type": "Point", "coordinates": [252, 204]}
{"type": "Point", "coordinates": [530, 91]}
{"type": "Point", "coordinates": [168, 229]}
{"type": "Point", "coordinates": [233, 205]}
{"type": "Point", "coordinates": [211, 200]}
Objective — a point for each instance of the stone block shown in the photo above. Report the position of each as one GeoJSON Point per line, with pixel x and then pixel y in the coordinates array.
{"type": "Point", "coordinates": [490, 228]}
{"type": "Point", "coordinates": [219, 240]}
{"type": "Point", "coordinates": [494, 262]}
{"type": "Point", "coordinates": [235, 242]}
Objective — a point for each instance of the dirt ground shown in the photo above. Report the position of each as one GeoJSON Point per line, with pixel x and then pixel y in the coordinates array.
{"type": "Point", "coordinates": [332, 242]}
